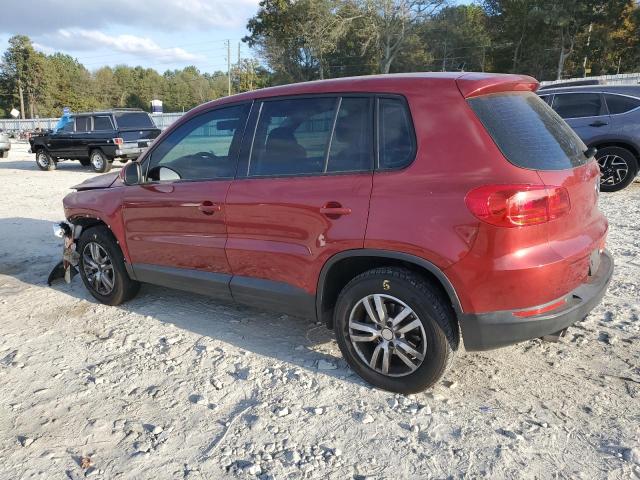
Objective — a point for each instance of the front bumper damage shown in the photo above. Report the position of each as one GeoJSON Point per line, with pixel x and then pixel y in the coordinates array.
{"type": "Point", "coordinates": [67, 267]}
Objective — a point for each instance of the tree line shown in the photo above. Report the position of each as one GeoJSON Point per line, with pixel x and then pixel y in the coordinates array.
{"type": "Point", "coordinates": [301, 40]}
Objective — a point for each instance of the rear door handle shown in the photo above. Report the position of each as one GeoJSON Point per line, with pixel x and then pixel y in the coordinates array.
{"type": "Point", "coordinates": [598, 123]}
{"type": "Point", "coordinates": [209, 208]}
{"type": "Point", "coordinates": [334, 210]}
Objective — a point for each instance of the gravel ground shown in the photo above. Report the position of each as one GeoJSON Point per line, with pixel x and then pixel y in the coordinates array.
{"type": "Point", "coordinates": [174, 385]}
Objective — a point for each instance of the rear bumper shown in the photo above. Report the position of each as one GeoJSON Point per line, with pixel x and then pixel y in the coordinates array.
{"type": "Point", "coordinates": [129, 150]}
{"type": "Point", "coordinates": [498, 329]}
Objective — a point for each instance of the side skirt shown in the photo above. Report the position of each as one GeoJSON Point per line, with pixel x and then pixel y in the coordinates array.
{"type": "Point", "coordinates": [254, 292]}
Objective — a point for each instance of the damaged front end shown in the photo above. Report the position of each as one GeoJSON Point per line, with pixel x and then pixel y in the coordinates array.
{"type": "Point", "coordinates": [67, 267]}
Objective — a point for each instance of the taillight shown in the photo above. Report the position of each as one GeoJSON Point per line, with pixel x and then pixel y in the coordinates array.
{"type": "Point", "coordinates": [118, 141]}
{"type": "Point", "coordinates": [518, 205]}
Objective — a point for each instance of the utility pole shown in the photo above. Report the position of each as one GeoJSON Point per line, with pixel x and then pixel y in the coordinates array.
{"type": "Point", "coordinates": [584, 62]}
{"type": "Point", "coordinates": [484, 56]}
{"type": "Point", "coordinates": [238, 54]}
{"type": "Point", "coordinates": [444, 57]}
{"type": "Point", "coordinates": [229, 66]}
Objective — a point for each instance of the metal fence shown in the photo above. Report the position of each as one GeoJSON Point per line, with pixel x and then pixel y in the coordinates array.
{"type": "Point", "coordinates": [620, 79]}
{"type": "Point", "coordinates": [162, 121]}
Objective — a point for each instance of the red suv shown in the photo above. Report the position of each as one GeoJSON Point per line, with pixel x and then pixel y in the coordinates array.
{"type": "Point", "coordinates": [404, 211]}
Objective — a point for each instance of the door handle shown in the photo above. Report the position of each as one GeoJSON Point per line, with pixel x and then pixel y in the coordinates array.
{"type": "Point", "coordinates": [334, 210]}
{"type": "Point", "coordinates": [598, 123]}
{"type": "Point", "coordinates": [209, 208]}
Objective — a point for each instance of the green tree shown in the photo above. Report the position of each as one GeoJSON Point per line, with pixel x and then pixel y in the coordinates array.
{"type": "Point", "coordinates": [22, 71]}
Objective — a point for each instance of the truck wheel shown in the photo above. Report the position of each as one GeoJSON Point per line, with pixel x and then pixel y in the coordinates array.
{"type": "Point", "coordinates": [395, 329]}
{"type": "Point", "coordinates": [5, 154]}
{"type": "Point", "coordinates": [44, 160]}
{"type": "Point", "coordinates": [99, 162]}
{"type": "Point", "coordinates": [85, 162]}
{"type": "Point", "coordinates": [102, 267]}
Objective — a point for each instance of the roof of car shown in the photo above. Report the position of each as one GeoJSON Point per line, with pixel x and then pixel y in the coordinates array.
{"type": "Point", "coordinates": [109, 112]}
{"type": "Point", "coordinates": [469, 84]}
{"type": "Point", "coordinates": [629, 89]}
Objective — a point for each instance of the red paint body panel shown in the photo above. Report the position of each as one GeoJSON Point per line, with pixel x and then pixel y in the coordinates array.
{"type": "Point", "coordinates": [164, 225]}
{"type": "Point", "coordinates": [277, 232]}
{"type": "Point", "coordinates": [272, 228]}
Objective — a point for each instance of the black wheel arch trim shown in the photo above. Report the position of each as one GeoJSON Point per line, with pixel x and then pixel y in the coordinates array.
{"type": "Point", "coordinates": [391, 254]}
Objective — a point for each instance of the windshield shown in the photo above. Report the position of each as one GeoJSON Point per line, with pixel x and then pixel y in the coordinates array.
{"type": "Point", "coordinates": [528, 132]}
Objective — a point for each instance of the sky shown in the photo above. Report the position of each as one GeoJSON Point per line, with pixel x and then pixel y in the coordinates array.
{"type": "Point", "coordinates": [161, 34]}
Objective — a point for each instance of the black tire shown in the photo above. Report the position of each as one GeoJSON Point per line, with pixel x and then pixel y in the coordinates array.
{"type": "Point", "coordinates": [44, 160]}
{"type": "Point", "coordinates": [123, 287]}
{"type": "Point", "coordinates": [85, 162]}
{"type": "Point", "coordinates": [5, 154]}
{"type": "Point", "coordinates": [612, 179]}
{"type": "Point", "coordinates": [439, 327]}
{"type": "Point", "coordinates": [99, 162]}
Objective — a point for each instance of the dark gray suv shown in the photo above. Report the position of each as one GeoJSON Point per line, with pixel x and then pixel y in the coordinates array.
{"type": "Point", "coordinates": [606, 117]}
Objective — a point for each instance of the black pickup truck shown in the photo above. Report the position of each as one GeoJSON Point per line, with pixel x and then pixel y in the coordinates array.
{"type": "Point", "coordinates": [96, 139]}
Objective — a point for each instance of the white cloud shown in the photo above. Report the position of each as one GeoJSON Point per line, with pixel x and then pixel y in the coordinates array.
{"type": "Point", "coordinates": [129, 44]}
{"type": "Point", "coordinates": [37, 17]}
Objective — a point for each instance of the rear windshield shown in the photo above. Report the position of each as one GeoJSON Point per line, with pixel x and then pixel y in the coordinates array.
{"type": "Point", "coordinates": [134, 120]}
{"type": "Point", "coordinates": [528, 132]}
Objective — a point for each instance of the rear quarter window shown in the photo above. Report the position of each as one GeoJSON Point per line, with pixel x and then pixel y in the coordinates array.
{"type": "Point", "coordinates": [528, 132]}
{"type": "Point", "coordinates": [620, 103]}
{"type": "Point", "coordinates": [134, 120]}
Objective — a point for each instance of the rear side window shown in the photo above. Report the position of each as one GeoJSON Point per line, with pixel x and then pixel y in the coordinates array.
{"type": "Point", "coordinates": [351, 146]}
{"type": "Point", "coordinates": [578, 105]}
{"type": "Point", "coordinates": [102, 122]}
{"type": "Point", "coordinates": [396, 142]}
{"type": "Point", "coordinates": [620, 103]}
{"type": "Point", "coordinates": [83, 124]}
{"type": "Point", "coordinates": [134, 120]}
{"type": "Point", "coordinates": [528, 132]}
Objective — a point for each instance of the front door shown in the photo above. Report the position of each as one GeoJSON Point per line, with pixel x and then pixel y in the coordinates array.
{"type": "Point", "coordinates": [301, 196]}
{"type": "Point", "coordinates": [175, 220]}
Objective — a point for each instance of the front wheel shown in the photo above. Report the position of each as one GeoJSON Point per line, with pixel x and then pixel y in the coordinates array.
{"type": "Point", "coordinates": [5, 154]}
{"type": "Point", "coordinates": [45, 161]}
{"type": "Point", "coordinates": [102, 267]}
{"type": "Point", "coordinates": [99, 162]}
{"type": "Point", "coordinates": [395, 329]}
{"type": "Point", "coordinates": [618, 168]}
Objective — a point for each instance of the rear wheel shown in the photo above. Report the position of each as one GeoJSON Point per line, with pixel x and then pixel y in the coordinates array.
{"type": "Point", "coordinates": [44, 160]}
{"type": "Point", "coordinates": [618, 168]}
{"type": "Point", "coordinates": [85, 162]}
{"type": "Point", "coordinates": [102, 267]}
{"type": "Point", "coordinates": [395, 329]}
{"type": "Point", "coordinates": [99, 162]}
{"type": "Point", "coordinates": [5, 154]}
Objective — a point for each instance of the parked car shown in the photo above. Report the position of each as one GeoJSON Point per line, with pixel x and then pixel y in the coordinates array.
{"type": "Point", "coordinates": [606, 117]}
{"type": "Point", "coordinates": [5, 144]}
{"type": "Point", "coordinates": [96, 139]}
{"type": "Point", "coordinates": [400, 210]}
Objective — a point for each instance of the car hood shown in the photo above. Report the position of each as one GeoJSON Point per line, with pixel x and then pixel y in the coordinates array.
{"type": "Point", "coordinates": [101, 181]}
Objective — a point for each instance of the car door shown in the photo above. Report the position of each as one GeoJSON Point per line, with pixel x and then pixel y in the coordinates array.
{"type": "Point", "coordinates": [585, 112]}
{"type": "Point", "coordinates": [79, 144]}
{"type": "Point", "coordinates": [59, 143]}
{"type": "Point", "coordinates": [301, 195]}
{"type": "Point", "coordinates": [175, 220]}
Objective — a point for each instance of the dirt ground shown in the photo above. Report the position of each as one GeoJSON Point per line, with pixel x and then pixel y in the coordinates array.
{"type": "Point", "coordinates": [174, 385]}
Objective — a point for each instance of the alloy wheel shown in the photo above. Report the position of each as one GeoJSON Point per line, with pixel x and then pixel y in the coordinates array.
{"type": "Point", "coordinates": [387, 335]}
{"type": "Point", "coordinates": [98, 268]}
{"type": "Point", "coordinates": [613, 168]}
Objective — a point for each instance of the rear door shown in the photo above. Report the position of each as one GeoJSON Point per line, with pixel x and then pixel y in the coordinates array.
{"type": "Point", "coordinates": [301, 196]}
{"type": "Point", "coordinates": [175, 222]}
{"type": "Point", "coordinates": [585, 112]}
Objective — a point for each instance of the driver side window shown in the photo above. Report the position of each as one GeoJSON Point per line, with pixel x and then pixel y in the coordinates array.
{"type": "Point", "coordinates": [203, 148]}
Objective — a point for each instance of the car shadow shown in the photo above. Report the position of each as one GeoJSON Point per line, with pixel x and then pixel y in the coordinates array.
{"type": "Point", "coordinates": [299, 342]}
{"type": "Point", "coordinates": [30, 165]}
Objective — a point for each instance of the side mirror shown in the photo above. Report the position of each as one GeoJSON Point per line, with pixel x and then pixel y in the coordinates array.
{"type": "Point", "coordinates": [132, 174]}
